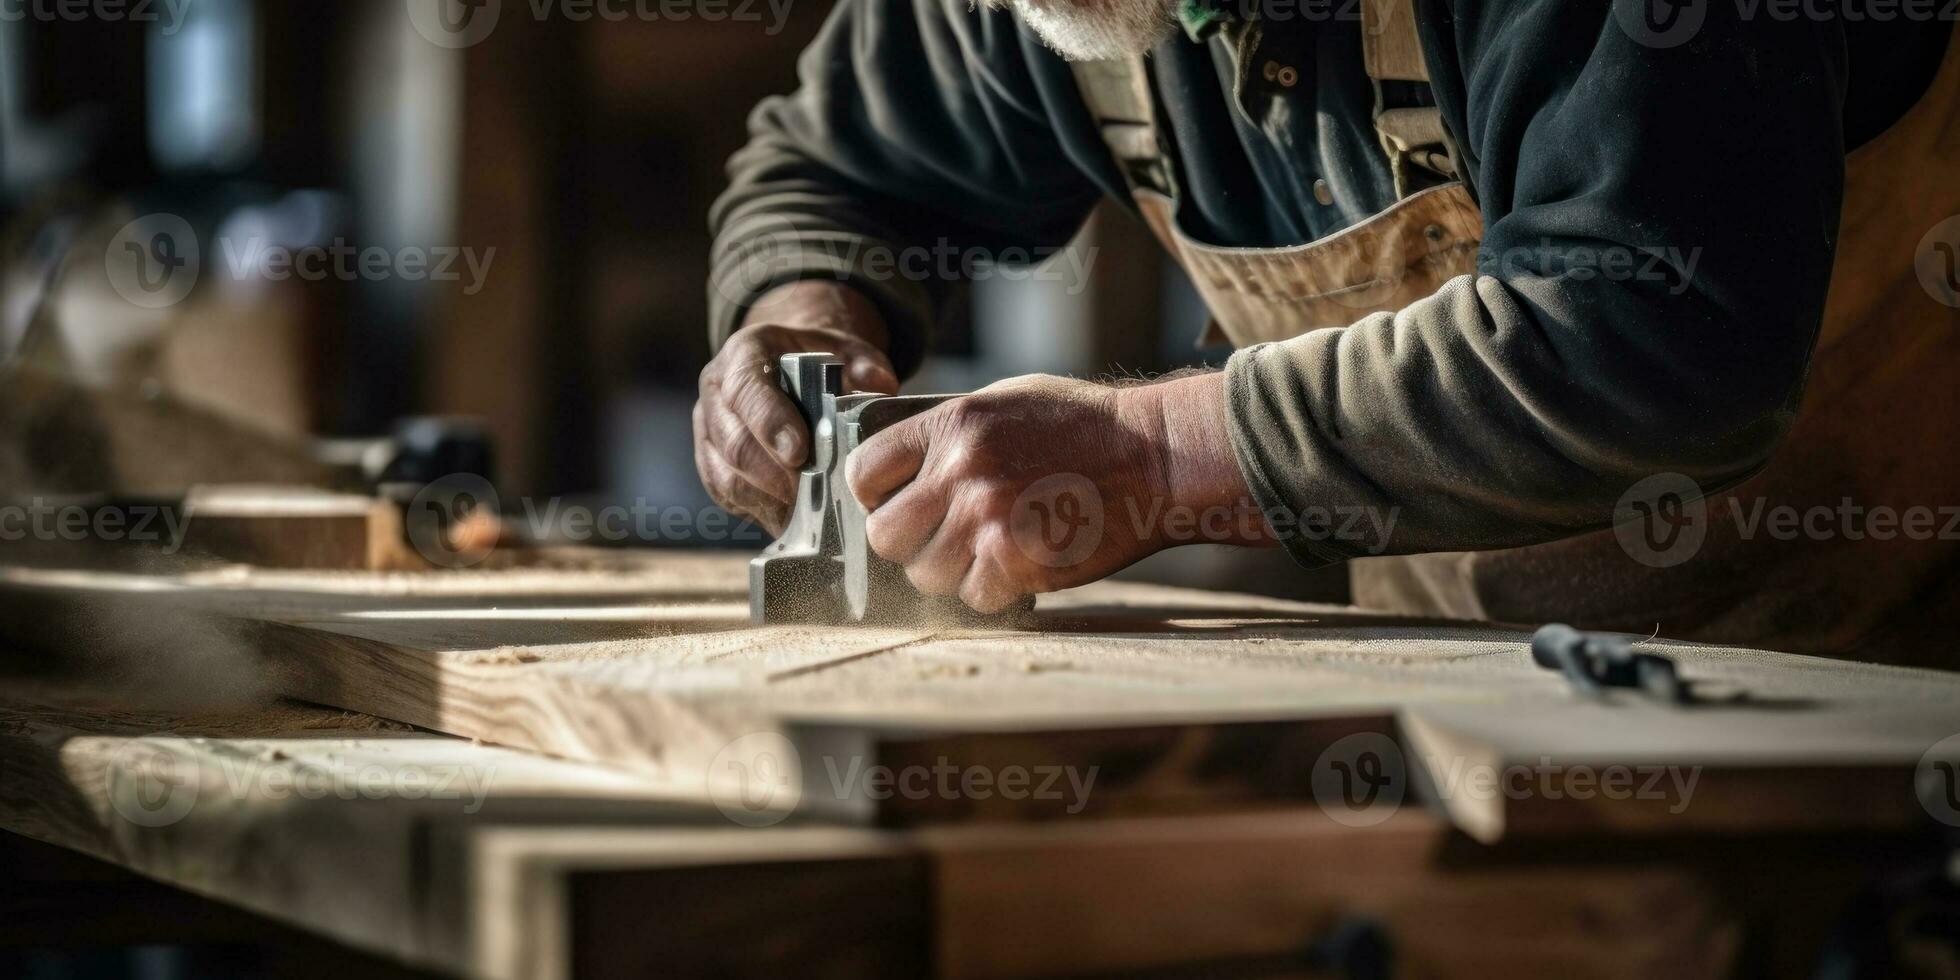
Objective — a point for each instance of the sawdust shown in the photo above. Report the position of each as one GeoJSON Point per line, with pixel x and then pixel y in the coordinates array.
{"type": "Point", "coordinates": [949, 670]}
{"type": "Point", "coordinates": [502, 657]}
{"type": "Point", "coordinates": [1045, 667]}
{"type": "Point", "coordinates": [148, 655]}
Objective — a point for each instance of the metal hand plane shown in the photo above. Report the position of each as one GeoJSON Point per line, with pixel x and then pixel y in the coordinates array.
{"type": "Point", "coordinates": [822, 570]}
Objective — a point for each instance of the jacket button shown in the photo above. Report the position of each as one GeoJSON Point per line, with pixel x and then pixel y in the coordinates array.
{"type": "Point", "coordinates": [1323, 193]}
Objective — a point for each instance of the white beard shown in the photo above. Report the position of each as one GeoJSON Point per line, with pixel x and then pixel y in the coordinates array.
{"type": "Point", "coordinates": [1096, 30]}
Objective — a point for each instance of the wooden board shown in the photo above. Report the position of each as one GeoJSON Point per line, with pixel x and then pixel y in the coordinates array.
{"type": "Point", "coordinates": [1177, 701]}
{"type": "Point", "coordinates": [276, 527]}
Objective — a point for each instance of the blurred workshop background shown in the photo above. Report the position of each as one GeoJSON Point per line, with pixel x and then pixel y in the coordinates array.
{"type": "Point", "coordinates": [584, 149]}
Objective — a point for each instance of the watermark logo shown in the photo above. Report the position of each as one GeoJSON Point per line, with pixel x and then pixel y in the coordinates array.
{"type": "Point", "coordinates": [168, 15]}
{"type": "Point", "coordinates": [465, 23]}
{"type": "Point", "coordinates": [1937, 262]}
{"type": "Point", "coordinates": [756, 780]}
{"type": "Point", "coordinates": [149, 786]}
{"type": "Point", "coordinates": [1058, 520]}
{"type": "Point", "coordinates": [40, 519]}
{"type": "Point", "coordinates": [759, 779]}
{"type": "Point", "coordinates": [454, 24]}
{"type": "Point", "coordinates": [781, 252]}
{"type": "Point", "coordinates": [1671, 23]}
{"type": "Point", "coordinates": [1669, 267]}
{"type": "Point", "coordinates": [763, 259]}
{"type": "Point", "coordinates": [441, 508]}
{"type": "Point", "coordinates": [1360, 780]}
{"type": "Point", "coordinates": [153, 262]}
{"type": "Point", "coordinates": [1661, 24]}
{"type": "Point", "coordinates": [1937, 780]}
{"type": "Point", "coordinates": [156, 260]}
{"type": "Point", "coordinates": [1662, 520]}
{"type": "Point", "coordinates": [1456, 777]}
{"type": "Point", "coordinates": [256, 258]}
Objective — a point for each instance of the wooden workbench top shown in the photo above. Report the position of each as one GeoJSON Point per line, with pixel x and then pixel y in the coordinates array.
{"type": "Point", "coordinates": [630, 692]}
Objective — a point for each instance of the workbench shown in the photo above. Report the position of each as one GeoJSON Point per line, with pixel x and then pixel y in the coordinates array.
{"type": "Point", "coordinates": [591, 764]}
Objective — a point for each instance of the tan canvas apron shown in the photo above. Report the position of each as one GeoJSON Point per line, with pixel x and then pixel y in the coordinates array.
{"type": "Point", "coordinates": [1877, 425]}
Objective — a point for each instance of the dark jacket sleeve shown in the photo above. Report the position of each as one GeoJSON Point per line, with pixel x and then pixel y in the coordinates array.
{"type": "Point", "coordinates": [916, 136]}
{"type": "Point", "coordinates": [1659, 230]}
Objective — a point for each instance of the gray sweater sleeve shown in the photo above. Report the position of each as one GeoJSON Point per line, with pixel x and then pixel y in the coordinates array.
{"type": "Point", "coordinates": [1640, 307]}
{"type": "Point", "coordinates": [915, 142]}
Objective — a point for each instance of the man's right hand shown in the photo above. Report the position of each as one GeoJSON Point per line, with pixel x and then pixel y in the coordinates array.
{"type": "Point", "coordinates": [749, 439]}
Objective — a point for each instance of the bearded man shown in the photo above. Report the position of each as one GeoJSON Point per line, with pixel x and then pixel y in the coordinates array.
{"type": "Point", "coordinates": [1628, 314]}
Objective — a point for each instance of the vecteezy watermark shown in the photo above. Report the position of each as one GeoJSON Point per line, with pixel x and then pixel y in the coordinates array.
{"type": "Point", "coordinates": [340, 261]}
{"type": "Point", "coordinates": [1360, 780]}
{"type": "Point", "coordinates": [760, 779]}
{"type": "Point", "coordinates": [156, 782]}
{"type": "Point", "coordinates": [1069, 786]}
{"type": "Point", "coordinates": [465, 23]}
{"type": "Point", "coordinates": [1060, 519]}
{"type": "Point", "coordinates": [41, 519]}
{"type": "Point", "coordinates": [439, 511]}
{"type": "Point", "coordinates": [1307, 11]}
{"type": "Point", "coordinates": [454, 24]}
{"type": "Point", "coordinates": [1457, 777]}
{"type": "Point", "coordinates": [167, 14]}
{"type": "Point", "coordinates": [638, 520]}
{"type": "Point", "coordinates": [442, 509]}
{"type": "Point", "coordinates": [781, 253]}
{"type": "Point", "coordinates": [1937, 780]}
{"type": "Point", "coordinates": [1661, 23]}
{"type": "Point", "coordinates": [1672, 23]}
{"type": "Point", "coordinates": [1664, 520]}
{"type": "Point", "coordinates": [155, 261]}
{"type": "Point", "coordinates": [149, 785]}
{"type": "Point", "coordinates": [1670, 266]}
{"type": "Point", "coordinates": [1937, 261]}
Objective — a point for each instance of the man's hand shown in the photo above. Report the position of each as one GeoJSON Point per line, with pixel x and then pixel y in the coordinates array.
{"type": "Point", "coordinates": [749, 439]}
{"type": "Point", "coordinates": [1042, 483]}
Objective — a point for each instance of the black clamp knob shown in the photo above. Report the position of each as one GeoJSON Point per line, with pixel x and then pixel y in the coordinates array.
{"type": "Point", "coordinates": [1593, 662]}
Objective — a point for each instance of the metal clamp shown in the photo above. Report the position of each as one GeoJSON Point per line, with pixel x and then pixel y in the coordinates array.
{"type": "Point", "coordinates": [1594, 662]}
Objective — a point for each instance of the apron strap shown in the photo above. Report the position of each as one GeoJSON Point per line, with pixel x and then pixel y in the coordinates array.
{"type": "Point", "coordinates": [1118, 94]}
{"type": "Point", "coordinates": [1413, 136]}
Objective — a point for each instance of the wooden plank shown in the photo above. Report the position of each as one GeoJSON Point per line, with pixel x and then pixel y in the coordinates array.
{"type": "Point", "coordinates": [283, 527]}
{"type": "Point", "coordinates": [1183, 700]}
{"type": "Point", "coordinates": [289, 824]}
{"type": "Point", "coordinates": [1637, 769]}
